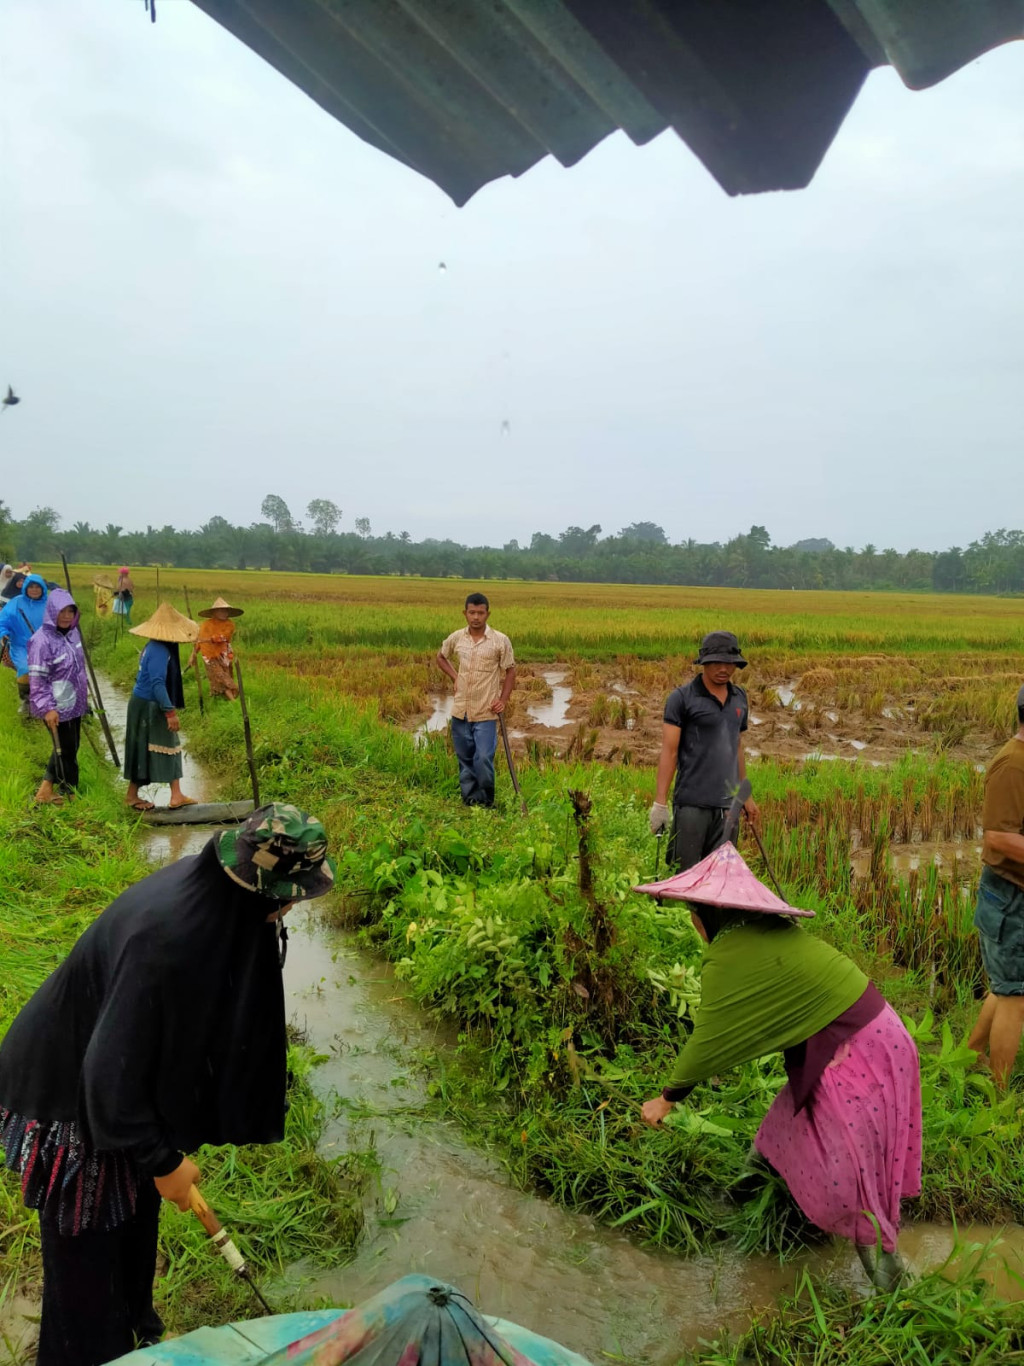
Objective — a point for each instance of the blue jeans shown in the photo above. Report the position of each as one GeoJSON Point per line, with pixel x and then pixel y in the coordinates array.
{"type": "Point", "coordinates": [999, 920]}
{"type": "Point", "coordinates": [475, 743]}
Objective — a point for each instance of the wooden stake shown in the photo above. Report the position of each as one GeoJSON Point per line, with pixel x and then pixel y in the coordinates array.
{"type": "Point", "coordinates": [247, 732]}
{"type": "Point", "coordinates": [96, 698]}
{"type": "Point", "coordinates": [199, 655]}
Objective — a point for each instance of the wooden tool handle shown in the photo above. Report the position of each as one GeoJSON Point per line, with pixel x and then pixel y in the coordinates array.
{"type": "Point", "coordinates": [203, 1212]}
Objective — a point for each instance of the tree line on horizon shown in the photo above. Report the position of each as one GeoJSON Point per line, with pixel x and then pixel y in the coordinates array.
{"type": "Point", "coordinates": [639, 553]}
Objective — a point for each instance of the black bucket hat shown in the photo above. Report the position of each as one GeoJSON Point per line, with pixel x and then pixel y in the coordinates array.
{"type": "Point", "coordinates": [720, 647]}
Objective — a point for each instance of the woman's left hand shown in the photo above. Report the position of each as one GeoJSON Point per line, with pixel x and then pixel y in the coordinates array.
{"type": "Point", "coordinates": [654, 1111]}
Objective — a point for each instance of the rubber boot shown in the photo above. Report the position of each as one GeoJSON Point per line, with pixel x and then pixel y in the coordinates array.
{"type": "Point", "coordinates": [23, 694]}
{"type": "Point", "coordinates": [866, 1253]}
{"type": "Point", "coordinates": [889, 1272]}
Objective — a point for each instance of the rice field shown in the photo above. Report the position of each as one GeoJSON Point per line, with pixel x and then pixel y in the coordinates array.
{"type": "Point", "coordinates": [486, 920]}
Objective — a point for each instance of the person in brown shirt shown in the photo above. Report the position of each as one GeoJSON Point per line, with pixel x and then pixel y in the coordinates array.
{"type": "Point", "coordinates": [999, 915]}
{"type": "Point", "coordinates": [483, 684]}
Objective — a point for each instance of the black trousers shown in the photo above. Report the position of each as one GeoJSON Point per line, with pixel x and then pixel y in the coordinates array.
{"type": "Point", "coordinates": [69, 737]}
{"type": "Point", "coordinates": [697, 831]}
{"type": "Point", "coordinates": [98, 1289]}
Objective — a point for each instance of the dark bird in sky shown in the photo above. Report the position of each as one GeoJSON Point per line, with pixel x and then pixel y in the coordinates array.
{"type": "Point", "coordinates": [11, 399]}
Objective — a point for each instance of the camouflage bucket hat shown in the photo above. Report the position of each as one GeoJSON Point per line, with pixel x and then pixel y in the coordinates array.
{"type": "Point", "coordinates": [279, 852]}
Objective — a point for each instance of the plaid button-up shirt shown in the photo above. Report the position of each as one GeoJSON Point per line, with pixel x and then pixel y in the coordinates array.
{"type": "Point", "coordinates": [482, 664]}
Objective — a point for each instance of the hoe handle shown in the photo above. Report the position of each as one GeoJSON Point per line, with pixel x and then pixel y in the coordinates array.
{"type": "Point", "coordinates": [203, 1212]}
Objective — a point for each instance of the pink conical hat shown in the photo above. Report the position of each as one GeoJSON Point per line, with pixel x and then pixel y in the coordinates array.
{"type": "Point", "coordinates": [722, 879]}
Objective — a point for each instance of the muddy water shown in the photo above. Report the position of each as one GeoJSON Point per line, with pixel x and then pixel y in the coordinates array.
{"type": "Point", "coordinates": [437, 720]}
{"type": "Point", "coordinates": [163, 844]}
{"type": "Point", "coordinates": [960, 858]}
{"type": "Point", "coordinates": [553, 714]}
{"type": "Point", "coordinates": [516, 1254]}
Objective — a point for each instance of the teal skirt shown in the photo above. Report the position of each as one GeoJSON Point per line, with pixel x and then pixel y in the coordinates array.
{"type": "Point", "coordinates": [152, 752]}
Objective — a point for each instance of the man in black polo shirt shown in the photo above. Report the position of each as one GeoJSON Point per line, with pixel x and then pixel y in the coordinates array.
{"type": "Point", "coordinates": [702, 746]}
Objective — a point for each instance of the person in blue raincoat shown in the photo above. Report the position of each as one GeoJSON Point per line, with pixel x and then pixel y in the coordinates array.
{"type": "Point", "coordinates": [19, 621]}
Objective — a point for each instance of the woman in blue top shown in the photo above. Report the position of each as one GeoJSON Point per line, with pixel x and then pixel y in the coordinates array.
{"type": "Point", "coordinates": [152, 747]}
{"type": "Point", "coordinates": [20, 619]}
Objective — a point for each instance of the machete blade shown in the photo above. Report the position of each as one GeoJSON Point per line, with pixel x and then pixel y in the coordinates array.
{"type": "Point", "coordinates": [732, 817]}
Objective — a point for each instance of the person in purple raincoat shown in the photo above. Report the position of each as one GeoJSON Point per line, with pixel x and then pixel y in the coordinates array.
{"type": "Point", "coordinates": [58, 692]}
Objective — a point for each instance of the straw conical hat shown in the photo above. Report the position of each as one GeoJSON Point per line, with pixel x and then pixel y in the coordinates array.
{"type": "Point", "coordinates": [166, 624]}
{"type": "Point", "coordinates": [722, 879]}
{"type": "Point", "coordinates": [222, 605]}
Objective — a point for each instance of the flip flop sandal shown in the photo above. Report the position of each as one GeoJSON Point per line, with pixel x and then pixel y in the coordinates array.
{"type": "Point", "coordinates": [141, 805]}
{"type": "Point", "coordinates": [187, 801]}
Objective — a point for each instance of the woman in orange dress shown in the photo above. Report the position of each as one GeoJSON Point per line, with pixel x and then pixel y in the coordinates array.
{"type": "Point", "coordinates": [214, 644]}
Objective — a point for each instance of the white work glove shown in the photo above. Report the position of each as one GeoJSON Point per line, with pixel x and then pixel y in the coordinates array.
{"type": "Point", "coordinates": [659, 817]}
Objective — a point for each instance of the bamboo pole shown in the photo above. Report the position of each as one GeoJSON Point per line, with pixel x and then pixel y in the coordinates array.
{"type": "Point", "coordinates": [97, 699]}
{"type": "Point", "coordinates": [247, 732]}
{"type": "Point", "coordinates": [199, 655]}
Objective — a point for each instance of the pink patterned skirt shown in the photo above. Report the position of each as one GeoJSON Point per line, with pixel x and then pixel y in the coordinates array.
{"type": "Point", "coordinates": [855, 1148]}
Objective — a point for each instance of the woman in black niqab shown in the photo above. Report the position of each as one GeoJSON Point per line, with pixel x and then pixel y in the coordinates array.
{"type": "Point", "coordinates": [163, 1030]}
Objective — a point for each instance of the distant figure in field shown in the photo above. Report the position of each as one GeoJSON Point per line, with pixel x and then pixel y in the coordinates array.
{"type": "Point", "coordinates": [483, 684]}
{"type": "Point", "coordinates": [124, 595]}
{"type": "Point", "coordinates": [702, 748]}
{"type": "Point", "coordinates": [999, 915]}
{"type": "Point", "coordinates": [214, 644]}
{"type": "Point", "coordinates": [59, 693]}
{"type": "Point", "coordinates": [19, 621]}
{"type": "Point", "coordinates": [15, 582]}
{"type": "Point", "coordinates": [103, 595]}
{"type": "Point", "coordinates": [152, 749]}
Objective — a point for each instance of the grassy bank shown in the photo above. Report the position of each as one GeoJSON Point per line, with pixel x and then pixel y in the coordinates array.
{"type": "Point", "coordinates": [947, 1317]}
{"type": "Point", "coordinates": [284, 1203]}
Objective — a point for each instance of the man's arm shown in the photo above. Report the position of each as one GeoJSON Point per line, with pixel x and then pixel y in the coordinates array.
{"type": "Point", "coordinates": [1004, 842]}
{"type": "Point", "coordinates": [508, 683]}
{"type": "Point", "coordinates": [445, 667]}
{"type": "Point", "coordinates": [667, 760]}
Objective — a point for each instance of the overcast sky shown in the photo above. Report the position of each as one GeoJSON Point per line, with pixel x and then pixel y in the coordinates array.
{"type": "Point", "coordinates": [211, 291]}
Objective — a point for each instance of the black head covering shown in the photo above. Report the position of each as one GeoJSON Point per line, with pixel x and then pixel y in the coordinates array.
{"type": "Point", "coordinates": [175, 686]}
{"type": "Point", "coordinates": [164, 1027]}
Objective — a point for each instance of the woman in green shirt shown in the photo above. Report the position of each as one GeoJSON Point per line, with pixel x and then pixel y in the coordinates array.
{"type": "Point", "coordinates": [844, 1133]}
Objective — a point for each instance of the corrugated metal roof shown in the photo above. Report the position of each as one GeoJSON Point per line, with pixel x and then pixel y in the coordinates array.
{"type": "Point", "coordinates": [465, 91]}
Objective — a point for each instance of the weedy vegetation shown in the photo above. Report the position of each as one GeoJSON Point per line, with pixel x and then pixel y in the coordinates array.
{"type": "Point", "coordinates": [569, 991]}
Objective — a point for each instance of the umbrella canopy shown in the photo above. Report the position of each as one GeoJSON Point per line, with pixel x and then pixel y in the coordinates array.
{"type": "Point", "coordinates": [417, 1322]}
{"type": "Point", "coordinates": [722, 879]}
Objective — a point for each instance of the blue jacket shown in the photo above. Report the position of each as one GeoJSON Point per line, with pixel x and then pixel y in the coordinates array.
{"type": "Point", "coordinates": [20, 620]}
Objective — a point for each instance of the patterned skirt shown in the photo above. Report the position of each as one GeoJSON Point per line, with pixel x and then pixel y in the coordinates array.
{"type": "Point", "coordinates": [855, 1149]}
{"type": "Point", "coordinates": [222, 678]}
{"type": "Point", "coordinates": [85, 1190]}
{"type": "Point", "coordinates": [152, 751]}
